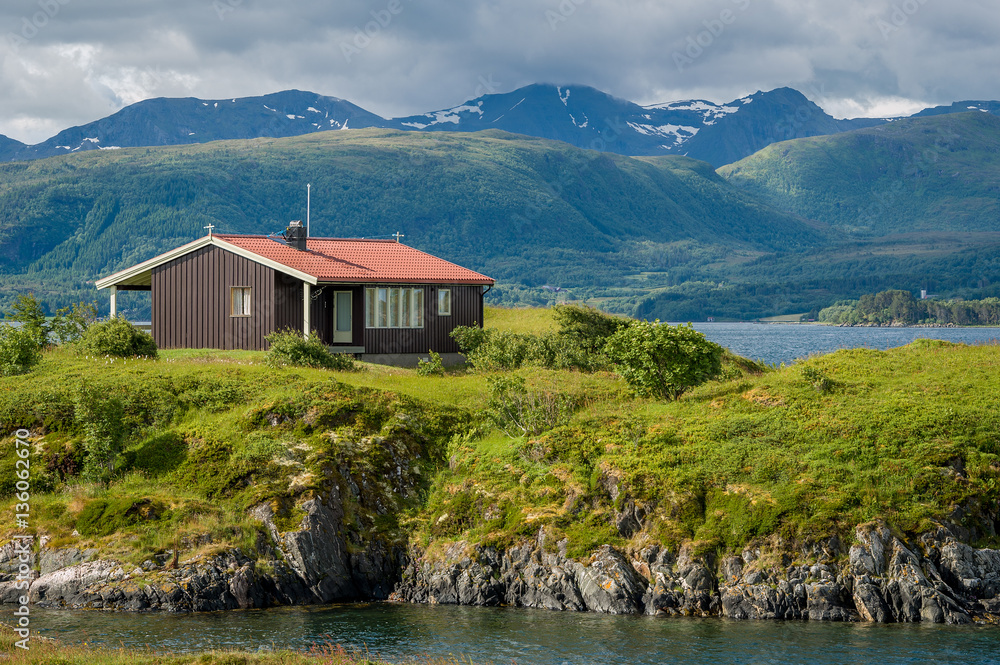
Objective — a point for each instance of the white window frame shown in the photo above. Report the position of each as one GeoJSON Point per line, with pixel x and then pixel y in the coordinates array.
{"type": "Point", "coordinates": [385, 307]}
{"type": "Point", "coordinates": [246, 299]}
{"type": "Point", "coordinates": [444, 298]}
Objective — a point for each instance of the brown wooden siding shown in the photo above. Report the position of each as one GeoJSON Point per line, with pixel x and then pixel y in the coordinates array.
{"type": "Point", "coordinates": [466, 310]}
{"type": "Point", "coordinates": [191, 301]}
{"type": "Point", "coordinates": [287, 302]}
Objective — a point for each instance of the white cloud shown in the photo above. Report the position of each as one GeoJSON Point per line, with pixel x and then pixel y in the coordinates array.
{"type": "Point", "coordinates": [93, 57]}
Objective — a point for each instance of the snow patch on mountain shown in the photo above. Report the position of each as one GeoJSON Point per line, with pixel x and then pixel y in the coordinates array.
{"type": "Point", "coordinates": [679, 133]}
{"type": "Point", "coordinates": [452, 115]}
{"type": "Point", "coordinates": [563, 99]}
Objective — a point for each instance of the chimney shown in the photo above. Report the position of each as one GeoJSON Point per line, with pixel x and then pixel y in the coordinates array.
{"type": "Point", "coordinates": [295, 236]}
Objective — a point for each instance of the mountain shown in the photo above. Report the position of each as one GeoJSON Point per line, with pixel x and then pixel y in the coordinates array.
{"type": "Point", "coordinates": [579, 115]}
{"type": "Point", "coordinates": [962, 107]}
{"type": "Point", "coordinates": [527, 211]}
{"type": "Point", "coordinates": [9, 147]}
{"type": "Point", "coordinates": [929, 174]}
{"type": "Point", "coordinates": [760, 120]}
{"type": "Point", "coordinates": [588, 118]}
{"type": "Point", "coordinates": [164, 121]}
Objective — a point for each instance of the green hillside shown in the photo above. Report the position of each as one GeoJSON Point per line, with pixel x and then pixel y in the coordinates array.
{"type": "Point", "coordinates": [918, 175]}
{"type": "Point", "coordinates": [526, 211]}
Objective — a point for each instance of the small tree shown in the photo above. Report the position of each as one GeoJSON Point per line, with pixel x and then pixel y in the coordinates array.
{"type": "Point", "coordinates": [70, 323]}
{"type": "Point", "coordinates": [659, 360]}
{"type": "Point", "coordinates": [102, 418]}
{"type": "Point", "coordinates": [19, 351]}
{"type": "Point", "coordinates": [587, 327]}
{"type": "Point", "coordinates": [27, 311]}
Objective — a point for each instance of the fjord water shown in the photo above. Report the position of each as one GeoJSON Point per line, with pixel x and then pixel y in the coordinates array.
{"type": "Point", "coordinates": [785, 343]}
{"type": "Point", "coordinates": [539, 637]}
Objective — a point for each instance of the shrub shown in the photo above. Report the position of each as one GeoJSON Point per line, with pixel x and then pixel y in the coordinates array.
{"type": "Point", "coordinates": [469, 338]}
{"type": "Point", "coordinates": [288, 347]}
{"type": "Point", "coordinates": [659, 360]}
{"type": "Point", "coordinates": [19, 351]}
{"type": "Point", "coordinates": [432, 366]}
{"type": "Point", "coordinates": [588, 328]}
{"type": "Point", "coordinates": [103, 420]}
{"type": "Point", "coordinates": [29, 313]}
{"type": "Point", "coordinates": [518, 412]}
{"type": "Point", "coordinates": [118, 337]}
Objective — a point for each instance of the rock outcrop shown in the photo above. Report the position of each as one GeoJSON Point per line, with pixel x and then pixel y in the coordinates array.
{"type": "Point", "coordinates": [880, 578]}
{"type": "Point", "coordinates": [311, 565]}
{"type": "Point", "coordinates": [936, 579]}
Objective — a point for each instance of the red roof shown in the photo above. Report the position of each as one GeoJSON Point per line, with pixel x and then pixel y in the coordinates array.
{"type": "Point", "coordinates": [354, 260]}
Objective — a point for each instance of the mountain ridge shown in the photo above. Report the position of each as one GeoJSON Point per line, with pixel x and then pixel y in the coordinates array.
{"type": "Point", "coordinates": [580, 115]}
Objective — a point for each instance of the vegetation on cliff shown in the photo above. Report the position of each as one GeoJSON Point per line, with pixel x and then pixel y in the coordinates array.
{"type": "Point", "coordinates": [804, 452]}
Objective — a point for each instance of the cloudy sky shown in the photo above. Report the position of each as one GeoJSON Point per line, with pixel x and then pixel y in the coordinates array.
{"type": "Point", "coordinates": [67, 62]}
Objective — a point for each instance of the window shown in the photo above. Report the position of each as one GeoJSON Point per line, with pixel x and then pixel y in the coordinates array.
{"type": "Point", "coordinates": [240, 297]}
{"type": "Point", "coordinates": [444, 302]}
{"type": "Point", "coordinates": [395, 307]}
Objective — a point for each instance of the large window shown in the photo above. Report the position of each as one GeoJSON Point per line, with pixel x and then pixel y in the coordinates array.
{"type": "Point", "coordinates": [395, 307]}
{"type": "Point", "coordinates": [240, 297]}
{"type": "Point", "coordinates": [444, 302]}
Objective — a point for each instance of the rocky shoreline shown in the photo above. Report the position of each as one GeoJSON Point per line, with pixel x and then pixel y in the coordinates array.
{"type": "Point", "coordinates": [881, 578]}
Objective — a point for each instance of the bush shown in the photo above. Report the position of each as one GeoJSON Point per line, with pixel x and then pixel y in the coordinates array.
{"type": "Point", "coordinates": [102, 417]}
{"type": "Point", "coordinates": [494, 350]}
{"type": "Point", "coordinates": [288, 347]}
{"type": "Point", "coordinates": [432, 366]}
{"type": "Point", "coordinates": [29, 313]}
{"type": "Point", "coordinates": [19, 351]}
{"type": "Point", "coordinates": [118, 337]}
{"type": "Point", "coordinates": [659, 360]}
{"type": "Point", "coordinates": [518, 412]}
{"type": "Point", "coordinates": [588, 328]}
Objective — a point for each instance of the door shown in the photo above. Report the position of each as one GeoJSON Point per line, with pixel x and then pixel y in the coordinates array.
{"type": "Point", "coordinates": [343, 324]}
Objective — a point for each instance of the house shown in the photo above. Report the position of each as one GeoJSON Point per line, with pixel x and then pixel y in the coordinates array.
{"type": "Point", "coordinates": [379, 299]}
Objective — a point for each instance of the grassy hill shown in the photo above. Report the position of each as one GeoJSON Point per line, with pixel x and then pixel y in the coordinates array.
{"type": "Point", "coordinates": [922, 175]}
{"type": "Point", "coordinates": [526, 211]}
{"type": "Point", "coordinates": [805, 452]}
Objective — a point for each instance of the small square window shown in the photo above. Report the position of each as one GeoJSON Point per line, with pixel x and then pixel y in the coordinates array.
{"type": "Point", "coordinates": [444, 302]}
{"type": "Point", "coordinates": [240, 299]}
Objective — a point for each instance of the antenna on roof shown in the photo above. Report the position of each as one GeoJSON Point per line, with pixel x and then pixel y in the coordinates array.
{"type": "Point", "coordinates": [308, 205]}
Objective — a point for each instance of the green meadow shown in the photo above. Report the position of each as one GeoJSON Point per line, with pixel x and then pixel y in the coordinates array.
{"type": "Point", "coordinates": [799, 453]}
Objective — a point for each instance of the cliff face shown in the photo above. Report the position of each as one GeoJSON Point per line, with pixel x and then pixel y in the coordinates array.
{"type": "Point", "coordinates": [320, 563]}
{"type": "Point", "coordinates": [934, 578]}
{"type": "Point", "coordinates": [881, 578]}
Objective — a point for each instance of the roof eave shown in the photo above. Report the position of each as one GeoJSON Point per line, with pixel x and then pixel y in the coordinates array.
{"type": "Point", "coordinates": [138, 269]}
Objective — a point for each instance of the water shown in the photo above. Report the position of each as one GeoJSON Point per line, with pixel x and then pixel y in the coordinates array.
{"type": "Point", "coordinates": [503, 635]}
{"type": "Point", "coordinates": [776, 343]}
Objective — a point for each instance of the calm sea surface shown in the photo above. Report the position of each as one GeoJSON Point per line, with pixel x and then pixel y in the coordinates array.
{"type": "Point", "coordinates": [777, 343]}
{"type": "Point", "coordinates": [495, 635]}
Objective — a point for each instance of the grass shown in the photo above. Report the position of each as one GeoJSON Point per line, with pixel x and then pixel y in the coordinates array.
{"type": "Point", "coordinates": [50, 652]}
{"type": "Point", "coordinates": [796, 454]}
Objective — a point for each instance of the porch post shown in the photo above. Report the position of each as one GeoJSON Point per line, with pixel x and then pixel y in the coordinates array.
{"type": "Point", "coordinates": [114, 301]}
{"type": "Point", "coordinates": [306, 314]}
